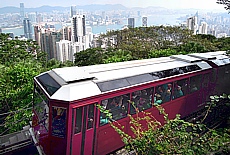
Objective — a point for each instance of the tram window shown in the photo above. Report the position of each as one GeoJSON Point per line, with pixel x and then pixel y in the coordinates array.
{"type": "Point", "coordinates": [213, 75]}
{"type": "Point", "coordinates": [163, 93]}
{"type": "Point", "coordinates": [58, 122]}
{"type": "Point", "coordinates": [141, 99]}
{"type": "Point", "coordinates": [50, 85]}
{"type": "Point", "coordinates": [180, 88]}
{"type": "Point", "coordinates": [114, 84]}
{"type": "Point", "coordinates": [117, 106]}
{"type": "Point", "coordinates": [206, 79]}
{"type": "Point", "coordinates": [78, 120]}
{"type": "Point", "coordinates": [140, 78]}
{"type": "Point", "coordinates": [90, 116]}
{"type": "Point", "coordinates": [195, 83]}
{"type": "Point", "coordinates": [41, 107]}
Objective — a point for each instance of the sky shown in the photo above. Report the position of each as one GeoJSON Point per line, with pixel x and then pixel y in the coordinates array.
{"type": "Point", "coordinates": [171, 4]}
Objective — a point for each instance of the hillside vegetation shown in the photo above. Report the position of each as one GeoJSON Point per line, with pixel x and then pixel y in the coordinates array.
{"type": "Point", "coordinates": [20, 61]}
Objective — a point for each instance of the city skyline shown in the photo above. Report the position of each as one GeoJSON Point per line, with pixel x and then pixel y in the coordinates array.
{"type": "Point", "coordinates": [171, 4]}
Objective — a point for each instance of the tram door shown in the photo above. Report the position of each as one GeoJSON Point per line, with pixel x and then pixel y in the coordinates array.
{"type": "Point", "coordinates": [83, 130]}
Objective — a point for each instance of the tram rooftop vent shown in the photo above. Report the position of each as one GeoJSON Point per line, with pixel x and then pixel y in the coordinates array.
{"type": "Point", "coordinates": [73, 74]}
{"type": "Point", "coordinates": [185, 58]}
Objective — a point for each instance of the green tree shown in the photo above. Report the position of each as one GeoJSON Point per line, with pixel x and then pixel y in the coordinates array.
{"type": "Point", "coordinates": [226, 3]}
{"type": "Point", "coordinates": [89, 56]}
{"type": "Point", "coordinates": [16, 93]}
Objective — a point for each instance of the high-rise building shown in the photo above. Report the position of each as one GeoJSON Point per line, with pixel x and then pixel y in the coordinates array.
{"type": "Point", "coordinates": [22, 14]}
{"type": "Point", "coordinates": [139, 13]}
{"type": "Point", "coordinates": [32, 17]}
{"type": "Point", "coordinates": [144, 21]}
{"type": "Point", "coordinates": [192, 24]}
{"type": "Point", "coordinates": [64, 51]}
{"type": "Point", "coordinates": [37, 34]}
{"type": "Point", "coordinates": [48, 39]}
{"type": "Point", "coordinates": [203, 29]}
{"type": "Point", "coordinates": [0, 30]}
{"type": "Point", "coordinates": [73, 10]}
{"type": "Point", "coordinates": [66, 32]}
{"type": "Point", "coordinates": [78, 28]}
{"type": "Point", "coordinates": [131, 22]}
{"type": "Point", "coordinates": [103, 15]}
{"type": "Point", "coordinates": [27, 28]}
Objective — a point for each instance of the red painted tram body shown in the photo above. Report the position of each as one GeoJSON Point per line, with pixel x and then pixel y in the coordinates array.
{"type": "Point", "coordinates": [66, 121]}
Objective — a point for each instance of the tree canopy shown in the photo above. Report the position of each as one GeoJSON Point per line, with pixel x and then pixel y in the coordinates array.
{"type": "Point", "coordinates": [226, 4]}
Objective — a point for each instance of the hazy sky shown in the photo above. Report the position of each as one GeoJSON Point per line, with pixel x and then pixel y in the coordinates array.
{"type": "Point", "coordinates": [197, 4]}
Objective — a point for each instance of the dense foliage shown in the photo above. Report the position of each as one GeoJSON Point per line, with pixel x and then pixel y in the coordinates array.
{"type": "Point", "coordinates": [20, 61]}
{"type": "Point", "coordinates": [149, 42]}
{"type": "Point", "coordinates": [226, 3]}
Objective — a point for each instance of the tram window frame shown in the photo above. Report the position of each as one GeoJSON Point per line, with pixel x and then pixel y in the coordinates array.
{"type": "Point", "coordinates": [161, 92]}
{"type": "Point", "coordinates": [195, 83]}
{"type": "Point", "coordinates": [141, 99]}
{"type": "Point", "coordinates": [90, 116]}
{"type": "Point", "coordinates": [78, 120]}
{"type": "Point", "coordinates": [181, 86]}
{"type": "Point", "coordinates": [117, 106]}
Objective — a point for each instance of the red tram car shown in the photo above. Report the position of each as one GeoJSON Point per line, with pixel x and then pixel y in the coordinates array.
{"type": "Point", "coordinates": [66, 121]}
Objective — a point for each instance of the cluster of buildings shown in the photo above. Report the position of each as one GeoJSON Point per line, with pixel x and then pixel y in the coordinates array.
{"type": "Point", "coordinates": [200, 27]}
{"type": "Point", "coordinates": [64, 43]}
{"type": "Point", "coordinates": [76, 35]}
{"type": "Point", "coordinates": [216, 26]}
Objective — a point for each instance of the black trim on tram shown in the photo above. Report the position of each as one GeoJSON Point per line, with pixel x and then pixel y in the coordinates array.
{"type": "Point", "coordinates": [84, 130]}
{"type": "Point", "coordinates": [138, 79]}
{"type": "Point", "coordinates": [95, 130]}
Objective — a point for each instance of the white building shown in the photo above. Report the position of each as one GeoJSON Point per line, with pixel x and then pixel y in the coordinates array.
{"type": "Point", "coordinates": [192, 24]}
{"type": "Point", "coordinates": [203, 28]}
{"type": "Point", "coordinates": [78, 27]}
{"type": "Point", "coordinates": [144, 21]}
{"type": "Point", "coordinates": [33, 17]}
{"type": "Point", "coordinates": [64, 51]}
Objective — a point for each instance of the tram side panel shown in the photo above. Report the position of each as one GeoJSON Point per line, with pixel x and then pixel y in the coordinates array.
{"type": "Point", "coordinates": [83, 129]}
{"type": "Point", "coordinates": [223, 76]}
{"type": "Point", "coordinates": [58, 127]}
{"type": "Point", "coordinates": [107, 139]}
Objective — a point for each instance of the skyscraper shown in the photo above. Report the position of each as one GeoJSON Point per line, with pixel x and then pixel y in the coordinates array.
{"type": "Point", "coordinates": [131, 22]}
{"type": "Point", "coordinates": [139, 13]}
{"type": "Point", "coordinates": [37, 34]}
{"type": "Point", "coordinates": [144, 21]}
{"type": "Point", "coordinates": [48, 42]}
{"type": "Point", "coordinates": [66, 31]}
{"type": "Point", "coordinates": [78, 28]}
{"type": "Point", "coordinates": [0, 30]}
{"type": "Point", "coordinates": [192, 24]}
{"type": "Point", "coordinates": [64, 51]}
{"type": "Point", "coordinates": [22, 14]}
{"type": "Point", "coordinates": [203, 29]}
{"type": "Point", "coordinates": [27, 28]}
{"type": "Point", "coordinates": [73, 10]}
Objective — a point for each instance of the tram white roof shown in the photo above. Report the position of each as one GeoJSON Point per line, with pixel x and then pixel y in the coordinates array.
{"type": "Point", "coordinates": [80, 82]}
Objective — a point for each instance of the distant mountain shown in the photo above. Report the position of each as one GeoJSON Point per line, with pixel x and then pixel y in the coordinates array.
{"type": "Point", "coordinates": [92, 7]}
{"type": "Point", "coordinates": [9, 9]}
{"type": "Point", "coordinates": [105, 7]}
